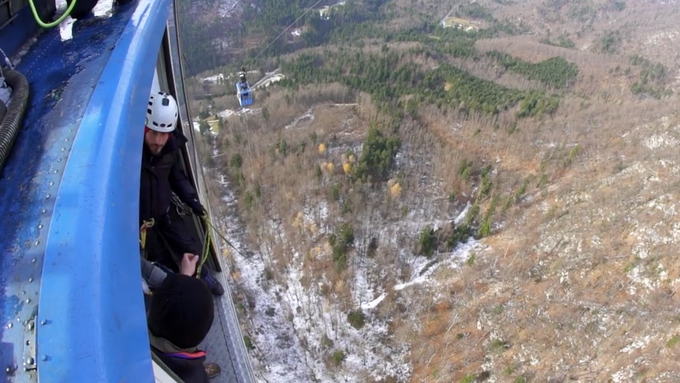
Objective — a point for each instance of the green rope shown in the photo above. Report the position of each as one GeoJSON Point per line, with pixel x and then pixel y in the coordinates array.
{"type": "Point", "coordinates": [205, 219]}
{"type": "Point", "coordinates": [206, 250]}
{"type": "Point", "coordinates": [54, 23]}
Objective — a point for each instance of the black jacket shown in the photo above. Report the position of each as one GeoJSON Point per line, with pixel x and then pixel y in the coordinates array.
{"type": "Point", "coordinates": [162, 175]}
{"type": "Point", "coordinates": [188, 367]}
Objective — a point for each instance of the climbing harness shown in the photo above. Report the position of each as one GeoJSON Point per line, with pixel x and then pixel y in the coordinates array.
{"type": "Point", "coordinates": [207, 239]}
{"type": "Point", "coordinates": [182, 208]}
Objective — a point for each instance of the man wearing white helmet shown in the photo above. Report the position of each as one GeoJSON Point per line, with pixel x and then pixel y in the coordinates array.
{"type": "Point", "coordinates": [161, 176]}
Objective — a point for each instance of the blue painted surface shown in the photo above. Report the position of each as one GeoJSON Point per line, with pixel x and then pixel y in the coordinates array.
{"type": "Point", "coordinates": [79, 148]}
{"type": "Point", "coordinates": [90, 295]}
{"type": "Point", "coordinates": [19, 30]}
{"type": "Point", "coordinates": [62, 76]}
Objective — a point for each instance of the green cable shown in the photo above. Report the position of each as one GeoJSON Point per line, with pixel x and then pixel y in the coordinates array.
{"type": "Point", "coordinates": [206, 249]}
{"type": "Point", "coordinates": [54, 23]}
{"type": "Point", "coordinates": [223, 237]}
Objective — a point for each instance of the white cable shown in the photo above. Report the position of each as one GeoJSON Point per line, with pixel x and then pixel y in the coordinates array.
{"type": "Point", "coordinates": [7, 60]}
{"type": "Point", "coordinates": [287, 28]}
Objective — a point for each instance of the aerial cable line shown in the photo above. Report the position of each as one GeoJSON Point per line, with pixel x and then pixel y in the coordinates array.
{"type": "Point", "coordinates": [287, 28]}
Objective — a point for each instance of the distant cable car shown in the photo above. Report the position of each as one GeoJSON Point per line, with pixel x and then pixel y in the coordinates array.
{"type": "Point", "coordinates": [243, 91]}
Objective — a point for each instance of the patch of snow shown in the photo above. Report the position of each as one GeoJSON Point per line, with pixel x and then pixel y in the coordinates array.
{"type": "Point", "coordinates": [534, 360]}
{"type": "Point", "coordinates": [216, 79]}
{"type": "Point", "coordinates": [309, 115]}
{"type": "Point", "coordinates": [636, 277]}
{"type": "Point", "coordinates": [226, 7]}
{"type": "Point", "coordinates": [636, 345]}
{"type": "Point", "coordinates": [229, 113]}
{"type": "Point", "coordinates": [197, 127]}
{"type": "Point", "coordinates": [269, 81]}
{"type": "Point", "coordinates": [453, 260]}
{"type": "Point", "coordinates": [462, 214]}
{"type": "Point", "coordinates": [658, 140]}
{"type": "Point", "coordinates": [625, 375]}
{"type": "Point", "coordinates": [596, 241]}
{"type": "Point", "coordinates": [663, 38]}
{"type": "Point", "coordinates": [374, 303]}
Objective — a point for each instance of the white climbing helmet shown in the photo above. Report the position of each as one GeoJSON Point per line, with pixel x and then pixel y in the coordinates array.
{"type": "Point", "coordinates": [161, 113]}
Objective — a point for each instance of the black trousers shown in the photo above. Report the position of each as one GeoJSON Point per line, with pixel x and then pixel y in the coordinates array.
{"type": "Point", "coordinates": [84, 7]}
{"type": "Point", "coordinates": [169, 239]}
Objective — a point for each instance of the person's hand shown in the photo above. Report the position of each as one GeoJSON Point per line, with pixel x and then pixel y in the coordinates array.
{"type": "Point", "coordinates": [198, 209]}
{"type": "Point", "coordinates": [188, 266]}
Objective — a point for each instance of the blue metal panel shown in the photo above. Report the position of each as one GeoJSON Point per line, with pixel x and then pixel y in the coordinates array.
{"type": "Point", "coordinates": [19, 30]}
{"type": "Point", "coordinates": [62, 75]}
{"type": "Point", "coordinates": [245, 97]}
{"type": "Point", "coordinates": [90, 297]}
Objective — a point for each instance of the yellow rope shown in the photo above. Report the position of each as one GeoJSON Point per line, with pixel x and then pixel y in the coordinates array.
{"type": "Point", "coordinates": [142, 231]}
{"type": "Point", "coordinates": [142, 241]}
{"type": "Point", "coordinates": [206, 247]}
{"type": "Point", "coordinates": [147, 224]}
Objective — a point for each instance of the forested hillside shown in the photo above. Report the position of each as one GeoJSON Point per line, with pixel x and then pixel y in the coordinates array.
{"type": "Point", "coordinates": [465, 191]}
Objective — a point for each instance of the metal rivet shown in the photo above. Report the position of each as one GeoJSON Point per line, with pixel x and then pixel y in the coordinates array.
{"type": "Point", "coordinates": [56, 171]}
{"type": "Point", "coordinates": [37, 243]}
{"type": "Point", "coordinates": [28, 343]}
{"type": "Point", "coordinates": [8, 369]}
{"type": "Point", "coordinates": [9, 325]}
{"type": "Point", "coordinates": [30, 279]}
{"type": "Point", "coordinates": [40, 226]}
{"type": "Point", "coordinates": [44, 211]}
{"type": "Point", "coordinates": [44, 358]}
{"type": "Point", "coordinates": [59, 159]}
{"type": "Point", "coordinates": [51, 183]}
{"type": "Point", "coordinates": [48, 196]}
{"type": "Point", "coordinates": [62, 149]}
{"type": "Point", "coordinates": [28, 300]}
{"type": "Point", "coordinates": [33, 260]}
{"type": "Point", "coordinates": [29, 361]}
{"type": "Point", "coordinates": [43, 322]}
{"type": "Point", "coordinates": [30, 325]}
